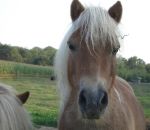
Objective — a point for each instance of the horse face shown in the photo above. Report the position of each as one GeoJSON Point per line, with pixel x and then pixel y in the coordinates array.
{"type": "Point", "coordinates": [91, 69]}
{"type": "Point", "coordinates": [91, 74]}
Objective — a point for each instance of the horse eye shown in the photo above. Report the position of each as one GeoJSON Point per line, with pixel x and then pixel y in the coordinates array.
{"type": "Point", "coordinates": [71, 47]}
{"type": "Point", "coordinates": [114, 51]}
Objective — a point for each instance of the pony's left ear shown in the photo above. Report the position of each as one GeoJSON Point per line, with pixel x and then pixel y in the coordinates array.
{"type": "Point", "coordinates": [76, 9]}
{"type": "Point", "coordinates": [24, 97]}
{"type": "Point", "coordinates": [116, 11]}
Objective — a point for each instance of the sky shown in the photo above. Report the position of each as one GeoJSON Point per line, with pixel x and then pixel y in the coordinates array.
{"type": "Point", "coordinates": [42, 23]}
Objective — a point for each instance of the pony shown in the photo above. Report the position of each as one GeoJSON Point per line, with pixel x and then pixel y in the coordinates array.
{"type": "Point", "coordinates": [13, 115]}
{"type": "Point", "coordinates": [92, 96]}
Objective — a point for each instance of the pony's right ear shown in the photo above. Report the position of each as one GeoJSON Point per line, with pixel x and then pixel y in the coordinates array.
{"type": "Point", "coordinates": [24, 97]}
{"type": "Point", "coordinates": [116, 11]}
{"type": "Point", "coordinates": [76, 9]}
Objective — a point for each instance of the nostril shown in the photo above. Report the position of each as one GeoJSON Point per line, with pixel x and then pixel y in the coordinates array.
{"type": "Point", "coordinates": [104, 100]}
{"type": "Point", "coordinates": [82, 99]}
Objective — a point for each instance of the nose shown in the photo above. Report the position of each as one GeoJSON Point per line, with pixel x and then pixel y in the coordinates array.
{"type": "Point", "coordinates": [92, 103]}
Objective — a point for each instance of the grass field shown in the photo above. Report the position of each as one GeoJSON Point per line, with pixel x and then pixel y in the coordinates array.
{"type": "Point", "coordinates": [43, 102]}
{"type": "Point", "coordinates": [142, 91]}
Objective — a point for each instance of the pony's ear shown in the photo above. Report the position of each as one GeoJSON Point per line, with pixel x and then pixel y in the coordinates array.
{"type": "Point", "coordinates": [116, 11]}
{"type": "Point", "coordinates": [76, 9]}
{"type": "Point", "coordinates": [23, 97]}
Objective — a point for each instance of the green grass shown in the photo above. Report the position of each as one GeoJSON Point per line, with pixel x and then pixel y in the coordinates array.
{"type": "Point", "coordinates": [43, 101]}
{"type": "Point", "coordinates": [142, 92]}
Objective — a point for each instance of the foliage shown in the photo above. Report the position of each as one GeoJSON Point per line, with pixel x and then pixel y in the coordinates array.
{"type": "Point", "coordinates": [35, 55]}
{"type": "Point", "coordinates": [133, 69]}
{"type": "Point", "coordinates": [147, 67]}
{"type": "Point", "coordinates": [5, 52]}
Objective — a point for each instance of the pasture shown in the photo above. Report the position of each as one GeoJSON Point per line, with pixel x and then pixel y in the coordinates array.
{"type": "Point", "coordinates": [43, 101]}
{"type": "Point", "coordinates": [142, 92]}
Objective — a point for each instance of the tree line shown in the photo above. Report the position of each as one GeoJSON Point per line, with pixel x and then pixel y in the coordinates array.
{"type": "Point", "coordinates": [133, 69]}
{"type": "Point", "coordinates": [130, 69]}
{"type": "Point", "coordinates": [36, 55]}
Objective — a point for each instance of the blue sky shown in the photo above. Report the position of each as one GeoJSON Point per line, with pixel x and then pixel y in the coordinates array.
{"type": "Point", "coordinates": [30, 23]}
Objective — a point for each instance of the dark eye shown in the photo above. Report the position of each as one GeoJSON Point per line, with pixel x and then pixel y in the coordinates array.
{"type": "Point", "coordinates": [115, 50]}
{"type": "Point", "coordinates": [71, 47]}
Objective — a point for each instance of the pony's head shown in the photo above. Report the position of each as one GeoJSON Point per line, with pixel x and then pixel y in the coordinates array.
{"type": "Point", "coordinates": [90, 48]}
{"type": "Point", "coordinates": [13, 115]}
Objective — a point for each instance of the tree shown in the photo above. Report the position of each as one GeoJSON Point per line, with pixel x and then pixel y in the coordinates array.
{"type": "Point", "coordinates": [49, 52]}
{"type": "Point", "coordinates": [135, 62]}
{"type": "Point", "coordinates": [35, 54]}
{"type": "Point", "coordinates": [147, 67]}
{"type": "Point", "coordinates": [122, 68]}
{"type": "Point", "coordinates": [15, 55]}
{"type": "Point", "coordinates": [25, 53]}
{"type": "Point", "coordinates": [5, 52]}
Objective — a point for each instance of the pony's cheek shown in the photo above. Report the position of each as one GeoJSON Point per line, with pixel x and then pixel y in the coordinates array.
{"type": "Point", "coordinates": [73, 74]}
